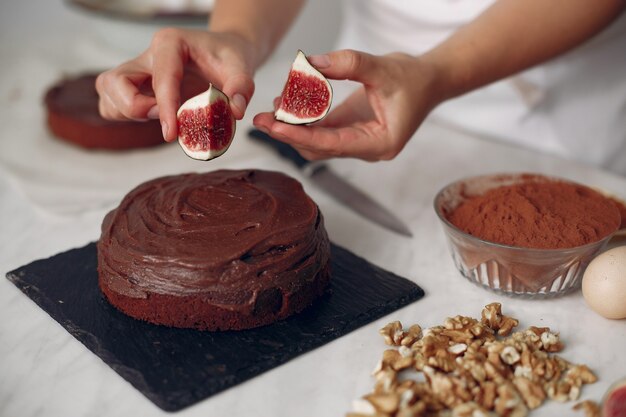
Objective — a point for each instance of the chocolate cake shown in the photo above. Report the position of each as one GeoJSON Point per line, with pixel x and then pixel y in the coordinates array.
{"type": "Point", "coordinates": [73, 116]}
{"type": "Point", "coordinates": [222, 250]}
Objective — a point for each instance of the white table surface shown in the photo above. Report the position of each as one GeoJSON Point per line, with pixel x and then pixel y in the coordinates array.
{"type": "Point", "coordinates": [53, 197]}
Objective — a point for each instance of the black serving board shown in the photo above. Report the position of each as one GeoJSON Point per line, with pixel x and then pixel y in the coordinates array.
{"type": "Point", "coordinates": [176, 368]}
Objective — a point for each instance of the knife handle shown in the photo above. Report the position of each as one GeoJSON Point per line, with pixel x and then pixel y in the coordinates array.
{"type": "Point", "coordinates": [285, 150]}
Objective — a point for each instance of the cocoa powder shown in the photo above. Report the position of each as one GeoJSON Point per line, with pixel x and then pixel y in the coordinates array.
{"type": "Point", "coordinates": [622, 210]}
{"type": "Point", "coordinates": [542, 215]}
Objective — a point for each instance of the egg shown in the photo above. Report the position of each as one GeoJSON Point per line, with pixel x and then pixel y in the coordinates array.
{"type": "Point", "coordinates": [604, 283]}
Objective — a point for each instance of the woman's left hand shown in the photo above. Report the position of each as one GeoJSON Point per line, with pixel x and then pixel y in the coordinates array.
{"type": "Point", "coordinates": [377, 120]}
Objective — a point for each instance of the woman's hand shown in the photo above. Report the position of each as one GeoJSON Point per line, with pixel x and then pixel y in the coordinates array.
{"type": "Point", "coordinates": [225, 59]}
{"type": "Point", "coordinates": [377, 120]}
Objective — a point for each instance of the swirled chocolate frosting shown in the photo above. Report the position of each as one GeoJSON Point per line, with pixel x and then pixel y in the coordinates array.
{"type": "Point", "coordinates": [224, 235]}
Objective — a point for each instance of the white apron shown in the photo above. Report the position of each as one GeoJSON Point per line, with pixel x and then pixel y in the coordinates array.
{"type": "Point", "coordinates": [573, 106]}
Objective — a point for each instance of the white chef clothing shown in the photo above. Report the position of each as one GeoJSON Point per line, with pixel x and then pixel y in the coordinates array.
{"type": "Point", "coordinates": [573, 106]}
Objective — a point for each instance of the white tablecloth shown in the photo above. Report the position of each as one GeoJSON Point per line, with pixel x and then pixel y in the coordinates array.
{"type": "Point", "coordinates": [53, 197]}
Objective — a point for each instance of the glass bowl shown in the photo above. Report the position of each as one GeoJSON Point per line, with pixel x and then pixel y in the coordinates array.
{"type": "Point", "coordinates": [510, 270]}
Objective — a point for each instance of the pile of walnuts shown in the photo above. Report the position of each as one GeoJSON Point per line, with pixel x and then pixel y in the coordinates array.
{"type": "Point", "coordinates": [471, 368]}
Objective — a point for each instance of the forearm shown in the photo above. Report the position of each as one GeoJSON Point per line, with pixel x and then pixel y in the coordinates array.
{"type": "Point", "coordinates": [514, 35]}
{"type": "Point", "coordinates": [261, 22]}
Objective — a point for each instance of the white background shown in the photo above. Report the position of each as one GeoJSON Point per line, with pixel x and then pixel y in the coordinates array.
{"type": "Point", "coordinates": [53, 197]}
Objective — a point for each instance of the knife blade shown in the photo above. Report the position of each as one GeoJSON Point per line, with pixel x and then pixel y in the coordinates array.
{"type": "Point", "coordinates": [344, 192]}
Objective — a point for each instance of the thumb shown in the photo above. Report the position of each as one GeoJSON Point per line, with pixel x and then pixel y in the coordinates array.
{"type": "Point", "coordinates": [347, 64]}
{"type": "Point", "coordinates": [239, 88]}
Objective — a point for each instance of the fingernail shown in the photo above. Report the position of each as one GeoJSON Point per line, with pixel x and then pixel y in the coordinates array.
{"type": "Point", "coordinates": [165, 129]}
{"type": "Point", "coordinates": [240, 102]}
{"type": "Point", "coordinates": [153, 113]}
{"type": "Point", "coordinates": [263, 129]}
{"type": "Point", "coordinates": [319, 61]}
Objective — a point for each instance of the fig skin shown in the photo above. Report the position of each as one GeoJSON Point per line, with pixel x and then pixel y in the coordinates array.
{"type": "Point", "coordinates": [204, 104]}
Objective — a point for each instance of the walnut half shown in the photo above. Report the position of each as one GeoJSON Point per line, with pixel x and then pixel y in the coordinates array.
{"type": "Point", "coordinates": [470, 367]}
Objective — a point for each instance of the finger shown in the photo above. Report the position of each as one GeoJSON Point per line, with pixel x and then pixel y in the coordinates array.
{"type": "Point", "coordinates": [239, 87]}
{"type": "Point", "coordinates": [264, 121]}
{"type": "Point", "coordinates": [120, 95]}
{"type": "Point", "coordinates": [294, 135]}
{"type": "Point", "coordinates": [314, 139]}
{"type": "Point", "coordinates": [348, 64]}
{"type": "Point", "coordinates": [310, 155]}
{"type": "Point", "coordinates": [127, 97]}
{"type": "Point", "coordinates": [107, 109]}
{"type": "Point", "coordinates": [229, 72]}
{"type": "Point", "coordinates": [355, 108]}
{"type": "Point", "coordinates": [361, 140]}
{"type": "Point", "coordinates": [168, 69]}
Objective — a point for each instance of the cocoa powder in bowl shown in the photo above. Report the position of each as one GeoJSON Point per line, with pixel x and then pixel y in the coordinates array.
{"type": "Point", "coordinates": [538, 213]}
{"type": "Point", "coordinates": [524, 234]}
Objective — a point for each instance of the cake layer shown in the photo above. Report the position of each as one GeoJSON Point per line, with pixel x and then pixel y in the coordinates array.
{"type": "Point", "coordinates": [246, 244]}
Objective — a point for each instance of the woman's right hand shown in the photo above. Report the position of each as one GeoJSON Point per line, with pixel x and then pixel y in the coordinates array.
{"type": "Point", "coordinates": [224, 59]}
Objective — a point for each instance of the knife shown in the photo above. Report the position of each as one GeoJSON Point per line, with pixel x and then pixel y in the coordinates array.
{"type": "Point", "coordinates": [336, 186]}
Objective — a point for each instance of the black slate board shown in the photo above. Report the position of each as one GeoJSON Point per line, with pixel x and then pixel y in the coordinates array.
{"type": "Point", "coordinates": [176, 368]}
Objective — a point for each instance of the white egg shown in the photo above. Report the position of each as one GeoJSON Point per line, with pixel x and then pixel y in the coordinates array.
{"type": "Point", "coordinates": [604, 283]}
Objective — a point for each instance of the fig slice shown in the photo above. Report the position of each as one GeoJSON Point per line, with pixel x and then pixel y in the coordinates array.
{"type": "Point", "coordinates": [615, 400]}
{"type": "Point", "coordinates": [307, 94]}
{"type": "Point", "coordinates": [206, 125]}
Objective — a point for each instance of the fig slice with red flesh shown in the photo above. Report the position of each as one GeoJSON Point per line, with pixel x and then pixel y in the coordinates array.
{"type": "Point", "coordinates": [307, 94]}
{"type": "Point", "coordinates": [206, 125]}
{"type": "Point", "coordinates": [614, 404]}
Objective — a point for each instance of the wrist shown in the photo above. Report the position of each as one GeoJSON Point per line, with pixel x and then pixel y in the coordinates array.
{"type": "Point", "coordinates": [430, 80]}
{"type": "Point", "coordinates": [449, 77]}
